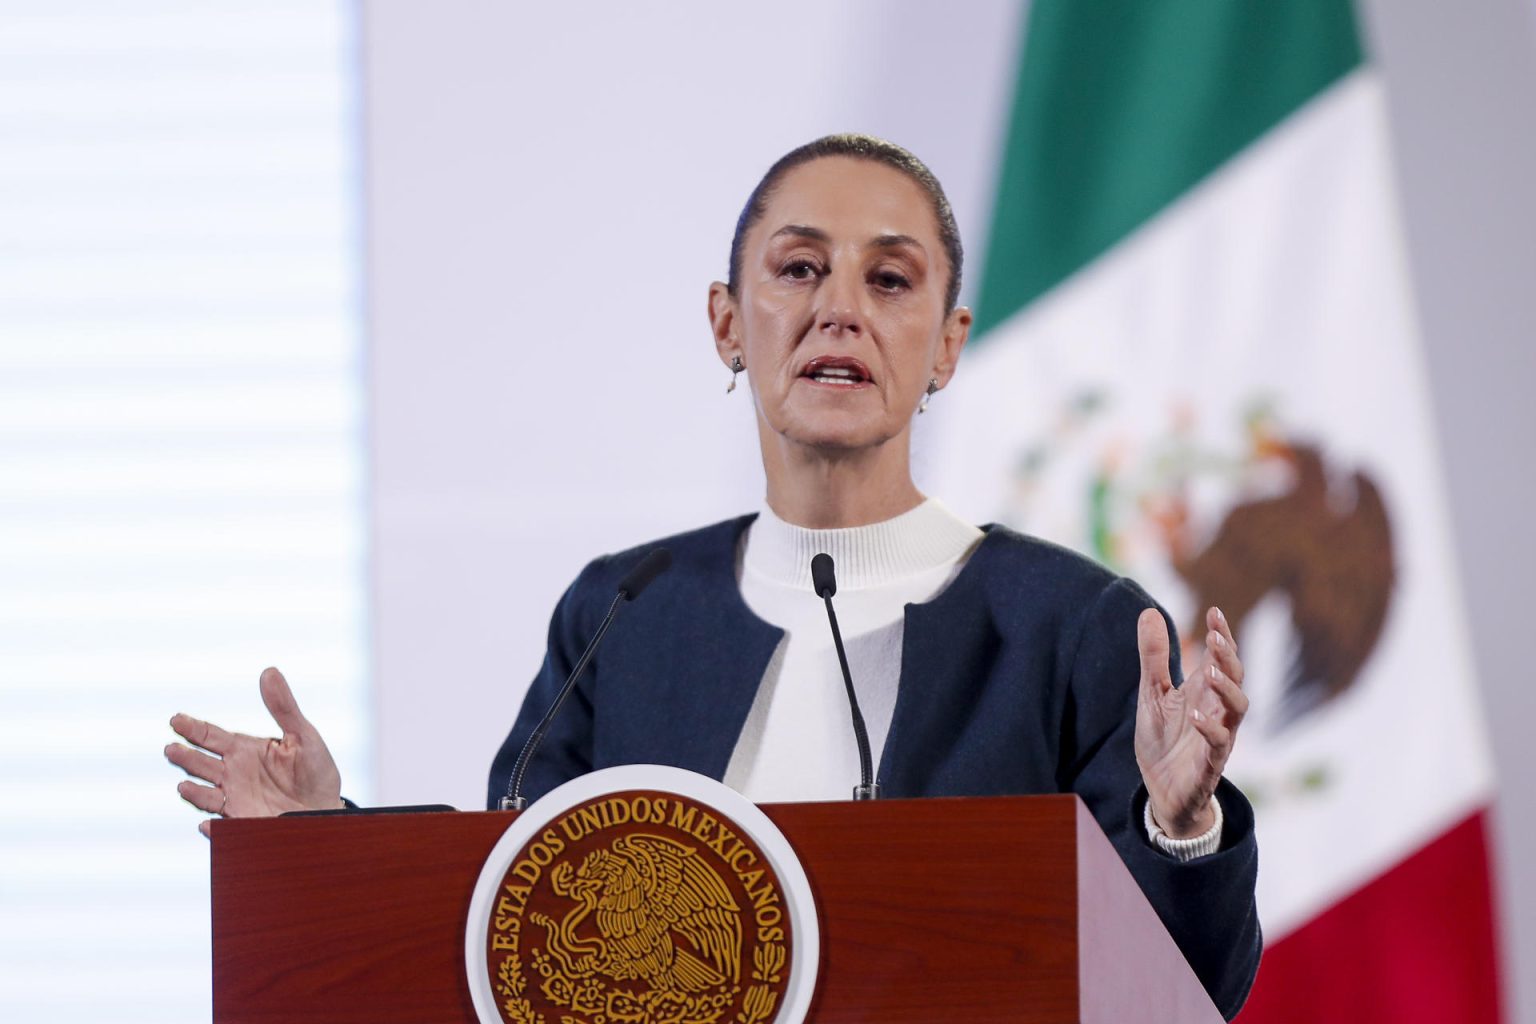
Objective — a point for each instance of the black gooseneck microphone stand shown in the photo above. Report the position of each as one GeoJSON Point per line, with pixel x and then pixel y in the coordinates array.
{"type": "Point", "coordinates": [825, 582]}
{"type": "Point", "coordinates": [651, 566]}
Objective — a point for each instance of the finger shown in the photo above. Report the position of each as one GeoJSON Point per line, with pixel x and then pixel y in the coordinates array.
{"type": "Point", "coordinates": [202, 734]}
{"type": "Point", "coordinates": [206, 828]}
{"type": "Point", "coordinates": [1233, 700]}
{"type": "Point", "coordinates": [204, 798]}
{"type": "Point", "coordinates": [1216, 619]}
{"type": "Point", "coordinates": [1216, 734]}
{"type": "Point", "coordinates": [1152, 645]}
{"type": "Point", "coordinates": [278, 698]}
{"type": "Point", "coordinates": [1225, 655]}
{"type": "Point", "coordinates": [195, 763]}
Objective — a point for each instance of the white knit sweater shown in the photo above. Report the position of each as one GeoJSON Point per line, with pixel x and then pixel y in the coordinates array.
{"type": "Point", "coordinates": [798, 743]}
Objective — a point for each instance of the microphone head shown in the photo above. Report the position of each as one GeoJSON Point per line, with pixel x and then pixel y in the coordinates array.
{"type": "Point", "coordinates": [640, 577]}
{"type": "Point", "coordinates": [822, 577]}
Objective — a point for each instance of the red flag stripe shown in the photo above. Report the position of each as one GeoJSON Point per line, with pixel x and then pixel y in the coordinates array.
{"type": "Point", "coordinates": [1415, 946]}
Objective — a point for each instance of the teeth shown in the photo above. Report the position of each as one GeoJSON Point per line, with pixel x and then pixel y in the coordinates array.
{"type": "Point", "coordinates": [836, 375]}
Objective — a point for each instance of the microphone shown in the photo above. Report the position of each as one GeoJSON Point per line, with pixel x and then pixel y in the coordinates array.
{"type": "Point", "coordinates": [652, 565]}
{"type": "Point", "coordinates": [825, 582]}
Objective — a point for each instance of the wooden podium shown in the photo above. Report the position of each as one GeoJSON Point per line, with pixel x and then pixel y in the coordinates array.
{"type": "Point", "coordinates": [998, 909]}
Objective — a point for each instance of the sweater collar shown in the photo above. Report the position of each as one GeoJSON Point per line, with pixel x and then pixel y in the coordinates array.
{"type": "Point", "coordinates": [926, 537]}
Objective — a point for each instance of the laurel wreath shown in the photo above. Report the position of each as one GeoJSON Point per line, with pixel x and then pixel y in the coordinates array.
{"type": "Point", "coordinates": [511, 986]}
{"type": "Point", "coordinates": [767, 967]}
{"type": "Point", "coordinates": [602, 1006]}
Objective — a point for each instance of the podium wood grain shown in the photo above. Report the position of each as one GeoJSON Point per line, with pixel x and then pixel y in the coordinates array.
{"type": "Point", "coordinates": [998, 909]}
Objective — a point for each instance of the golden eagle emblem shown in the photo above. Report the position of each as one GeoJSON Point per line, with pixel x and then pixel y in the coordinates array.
{"type": "Point", "coordinates": [663, 917]}
{"type": "Point", "coordinates": [639, 907]}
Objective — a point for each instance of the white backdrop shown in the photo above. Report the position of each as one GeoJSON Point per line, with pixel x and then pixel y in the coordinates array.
{"type": "Point", "coordinates": [552, 187]}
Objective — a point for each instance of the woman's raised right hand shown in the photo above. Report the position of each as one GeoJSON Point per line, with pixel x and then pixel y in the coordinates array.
{"type": "Point", "coordinates": [253, 777]}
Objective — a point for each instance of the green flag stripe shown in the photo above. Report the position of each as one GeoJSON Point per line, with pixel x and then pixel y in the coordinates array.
{"type": "Point", "coordinates": [1122, 105]}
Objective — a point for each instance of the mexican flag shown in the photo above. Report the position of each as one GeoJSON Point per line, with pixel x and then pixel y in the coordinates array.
{"type": "Point", "coordinates": [1197, 360]}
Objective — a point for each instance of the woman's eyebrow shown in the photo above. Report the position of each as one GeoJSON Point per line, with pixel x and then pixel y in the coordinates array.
{"type": "Point", "coordinates": [895, 241]}
{"type": "Point", "coordinates": [802, 231]}
{"type": "Point", "coordinates": [888, 241]}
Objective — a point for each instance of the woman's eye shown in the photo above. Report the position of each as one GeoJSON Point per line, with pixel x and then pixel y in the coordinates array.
{"type": "Point", "coordinates": [890, 280]}
{"type": "Point", "coordinates": [800, 270]}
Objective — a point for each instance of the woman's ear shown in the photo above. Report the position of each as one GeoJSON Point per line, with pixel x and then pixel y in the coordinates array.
{"type": "Point", "coordinates": [722, 322]}
{"type": "Point", "coordinates": [957, 330]}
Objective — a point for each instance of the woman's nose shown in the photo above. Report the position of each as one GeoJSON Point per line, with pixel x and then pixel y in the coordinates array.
{"type": "Point", "coordinates": [841, 309]}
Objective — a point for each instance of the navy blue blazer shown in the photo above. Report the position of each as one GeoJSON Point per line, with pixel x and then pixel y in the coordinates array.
{"type": "Point", "coordinates": [1021, 677]}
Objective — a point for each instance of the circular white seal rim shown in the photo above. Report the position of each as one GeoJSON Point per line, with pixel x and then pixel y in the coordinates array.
{"type": "Point", "coordinates": [805, 957]}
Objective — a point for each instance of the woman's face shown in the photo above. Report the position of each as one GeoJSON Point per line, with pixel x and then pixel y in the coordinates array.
{"type": "Point", "coordinates": [839, 317]}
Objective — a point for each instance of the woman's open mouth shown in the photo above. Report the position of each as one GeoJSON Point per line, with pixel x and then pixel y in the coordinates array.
{"type": "Point", "coordinates": [837, 371]}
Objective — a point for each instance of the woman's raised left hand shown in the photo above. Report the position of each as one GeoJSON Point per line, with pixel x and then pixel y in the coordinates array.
{"type": "Point", "coordinates": [1184, 734]}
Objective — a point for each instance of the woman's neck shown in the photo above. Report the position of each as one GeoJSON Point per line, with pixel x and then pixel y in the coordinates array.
{"type": "Point", "coordinates": [822, 490]}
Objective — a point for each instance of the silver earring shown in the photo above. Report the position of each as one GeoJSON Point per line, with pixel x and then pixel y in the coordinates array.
{"type": "Point", "coordinates": [933, 386]}
{"type": "Point", "coordinates": [736, 367]}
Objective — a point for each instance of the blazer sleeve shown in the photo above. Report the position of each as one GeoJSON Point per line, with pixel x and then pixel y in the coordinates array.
{"type": "Point", "coordinates": [566, 751]}
{"type": "Point", "coordinates": [1207, 904]}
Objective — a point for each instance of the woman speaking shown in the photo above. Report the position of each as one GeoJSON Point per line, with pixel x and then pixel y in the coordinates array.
{"type": "Point", "coordinates": [986, 662]}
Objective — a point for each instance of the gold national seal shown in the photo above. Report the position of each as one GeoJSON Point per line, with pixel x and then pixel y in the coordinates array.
{"type": "Point", "coordinates": [639, 908]}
